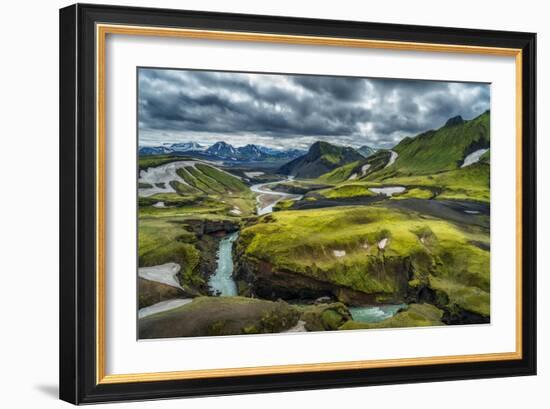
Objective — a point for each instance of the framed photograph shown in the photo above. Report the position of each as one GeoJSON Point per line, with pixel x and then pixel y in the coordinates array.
{"type": "Point", "coordinates": [257, 203]}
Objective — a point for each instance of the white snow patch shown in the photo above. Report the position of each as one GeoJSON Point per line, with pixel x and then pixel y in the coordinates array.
{"type": "Point", "coordinates": [393, 157]}
{"type": "Point", "coordinates": [236, 211]}
{"type": "Point", "coordinates": [253, 174]}
{"type": "Point", "coordinates": [473, 157]}
{"type": "Point", "coordinates": [364, 169]}
{"type": "Point", "coordinates": [388, 191]}
{"type": "Point", "coordinates": [339, 253]}
{"type": "Point", "coordinates": [382, 243]}
{"type": "Point", "coordinates": [353, 177]}
{"type": "Point", "coordinates": [163, 306]}
{"type": "Point", "coordinates": [299, 327]}
{"type": "Point", "coordinates": [163, 273]}
{"type": "Point", "coordinates": [159, 205]}
{"type": "Point", "coordinates": [164, 174]}
{"type": "Point", "coordinates": [471, 211]}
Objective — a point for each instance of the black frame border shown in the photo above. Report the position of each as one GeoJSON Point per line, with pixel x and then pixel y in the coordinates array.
{"type": "Point", "coordinates": [78, 197]}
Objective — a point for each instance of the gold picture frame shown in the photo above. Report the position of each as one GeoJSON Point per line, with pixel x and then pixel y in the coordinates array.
{"type": "Point", "coordinates": [98, 19]}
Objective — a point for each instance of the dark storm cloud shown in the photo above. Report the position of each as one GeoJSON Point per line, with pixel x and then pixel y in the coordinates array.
{"type": "Point", "coordinates": [285, 110]}
{"type": "Point", "coordinates": [343, 89]}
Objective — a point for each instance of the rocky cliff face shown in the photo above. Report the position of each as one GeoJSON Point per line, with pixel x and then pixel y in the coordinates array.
{"type": "Point", "coordinates": [261, 279]}
{"type": "Point", "coordinates": [204, 226]}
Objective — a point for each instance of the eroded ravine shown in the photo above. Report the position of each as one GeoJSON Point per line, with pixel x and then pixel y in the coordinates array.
{"type": "Point", "coordinates": [222, 282]}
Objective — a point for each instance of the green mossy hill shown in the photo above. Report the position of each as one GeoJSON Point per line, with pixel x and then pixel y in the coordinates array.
{"type": "Point", "coordinates": [321, 158]}
{"type": "Point", "coordinates": [210, 180]}
{"type": "Point", "coordinates": [152, 161]}
{"type": "Point", "coordinates": [298, 187]}
{"type": "Point", "coordinates": [346, 190]}
{"type": "Point", "coordinates": [169, 200]}
{"type": "Point", "coordinates": [440, 150]}
{"type": "Point", "coordinates": [184, 236]}
{"type": "Point", "coordinates": [325, 317]}
{"type": "Point", "coordinates": [343, 247]}
{"type": "Point", "coordinates": [210, 316]}
{"type": "Point", "coordinates": [162, 241]}
{"type": "Point", "coordinates": [174, 227]}
{"type": "Point", "coordinates": [207, 190]}
{"type": "Point", "coordinates": [340, 174]}
{"type": "Point", "coordinates": [358, 169]}
{"type": "Point", "coordinates": [469, 183]}
{"type": "Point", "coordinates": [416, 315]}
{"type": "Point", "coordinates": [283, 205]}
{"type": "Point", "coordinates": [431, 160]}
{"type": "Point", "coordinates": [415, 193]}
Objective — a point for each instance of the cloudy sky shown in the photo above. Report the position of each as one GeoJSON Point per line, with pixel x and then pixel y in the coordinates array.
{"type": "Point", "coordinates": [293, 111]}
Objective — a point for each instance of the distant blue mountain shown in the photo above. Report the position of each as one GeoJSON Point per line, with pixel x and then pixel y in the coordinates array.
{"type": "Point", "coordinates": [154, 150]}
{"type": "Point", "coordinates": [252, 152]}
{"type": "Point", "coordinates": [366, 151]}
{"type": "Point", "coordinates": [187, 146]}
{"type": "Point", "coordinates": [223, 150]}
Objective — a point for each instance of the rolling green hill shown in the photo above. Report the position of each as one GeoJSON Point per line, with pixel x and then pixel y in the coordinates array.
{"type": "Point", "coordinates": [192, 184]}
{"type": "Point", "coordinates": [440, 150]}
{"type": "Point", "coordinates": [374, 251]}
{"type": "Point", "coordinates": [210, 180]}
{"type": "Point", "coordinates": [356, 170]}
{"type": "Point", "coordinates": [428, 165]}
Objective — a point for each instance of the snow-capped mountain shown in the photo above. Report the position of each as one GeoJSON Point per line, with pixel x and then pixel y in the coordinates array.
{"type": "Point", "coordinates": [187, 146]}
{"type": "Point", "coordinates": [251, 152]}
{"type": "Point", "coordinates": [222, 150]}
{"type": "Point", "coordinates": [154, 150]}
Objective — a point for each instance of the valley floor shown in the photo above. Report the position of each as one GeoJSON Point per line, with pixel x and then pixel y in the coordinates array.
{"type": "Point", "coordinates": [259, 253]}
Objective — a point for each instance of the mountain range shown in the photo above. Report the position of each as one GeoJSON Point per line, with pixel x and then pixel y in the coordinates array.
{"type": "Point", "coordinates": [223, 150]}
{"type": "Point", "coordinates": [430, 152]}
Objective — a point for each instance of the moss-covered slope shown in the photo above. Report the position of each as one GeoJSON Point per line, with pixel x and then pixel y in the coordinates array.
{"type": "Point", "coordinates": [208, 316]}
{"type": "Point", "coordinates": [321, 158]}
{"type": "Point", "coordinates": [440, 150]}
{"type": "Point", "coordinates": [387, 254]}
{"type": "Point", "coordinates": [415, 315]}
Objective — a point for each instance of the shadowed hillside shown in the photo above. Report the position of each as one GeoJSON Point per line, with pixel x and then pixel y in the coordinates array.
{"type": "Point", "coordinates": [321, 158]}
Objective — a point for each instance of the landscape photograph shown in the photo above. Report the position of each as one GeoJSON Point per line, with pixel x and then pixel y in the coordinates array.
{"type": "Point", "coordinates": [286, 203]}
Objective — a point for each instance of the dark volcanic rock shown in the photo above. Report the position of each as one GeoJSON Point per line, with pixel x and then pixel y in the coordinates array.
{"type": "Point", "coordinates": [325, 317]}
{"type": "Point", "coordinates": [265, 282]}
{"type": "Point", "coordinates": [454, 121]}
{"type": "Point", "coordinates": [462, 317]}
{"type": "Point", "coordinates": [201, 226]}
